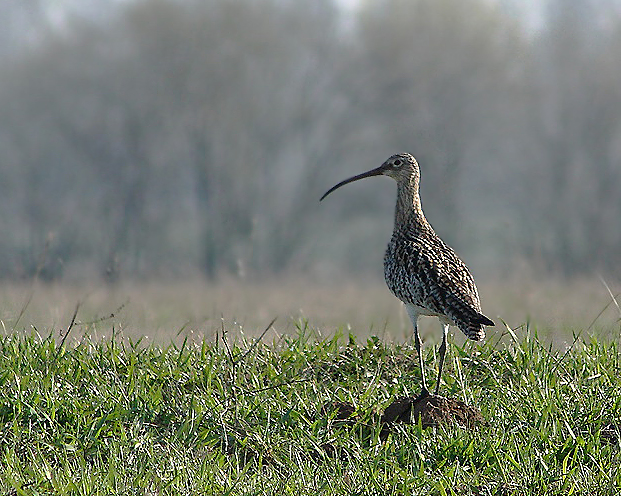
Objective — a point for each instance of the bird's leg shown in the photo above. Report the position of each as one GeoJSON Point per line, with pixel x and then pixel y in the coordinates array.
{"type": "Point", "coordinates": [417, 343]}
{"type": "Point", "coordinates": [412, 312]}
{"type": "Point", "coordinates": [442, 355]}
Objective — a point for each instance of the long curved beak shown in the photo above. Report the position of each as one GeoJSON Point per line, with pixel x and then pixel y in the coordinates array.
{"type": "Point", "coordinates": [375, 172]}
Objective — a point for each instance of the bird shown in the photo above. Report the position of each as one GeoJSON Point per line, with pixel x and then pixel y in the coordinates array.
{"type": "Point", "coordinates": [422, 270]}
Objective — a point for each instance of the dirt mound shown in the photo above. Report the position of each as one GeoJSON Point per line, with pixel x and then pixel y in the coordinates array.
{"type": "Point", "coordinates": [340, 411]}
{"type": "Point", "coordinates": [432, 411]}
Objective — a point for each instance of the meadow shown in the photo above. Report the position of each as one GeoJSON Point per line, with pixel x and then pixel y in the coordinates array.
{"type": "Point", "coordinates": [220, 403]}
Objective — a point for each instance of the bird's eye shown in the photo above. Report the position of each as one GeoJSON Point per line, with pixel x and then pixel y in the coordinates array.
{"type": "Point", "coordinates": [397, 163]}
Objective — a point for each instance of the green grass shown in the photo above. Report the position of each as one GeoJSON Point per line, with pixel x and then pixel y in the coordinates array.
{"type": "Point", "coordinates": [235, 417]}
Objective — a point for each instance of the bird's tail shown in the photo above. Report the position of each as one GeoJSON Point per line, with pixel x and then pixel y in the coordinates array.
{"type": "Point", "coordinates": [474, 327]}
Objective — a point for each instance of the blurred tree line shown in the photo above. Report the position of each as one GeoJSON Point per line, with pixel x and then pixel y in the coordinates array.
{"type": "Point", "coordinates": [169, 137]}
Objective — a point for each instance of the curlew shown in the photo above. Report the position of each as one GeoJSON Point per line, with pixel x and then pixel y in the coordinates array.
{"type": "Point", "coordinates": [420, 269]}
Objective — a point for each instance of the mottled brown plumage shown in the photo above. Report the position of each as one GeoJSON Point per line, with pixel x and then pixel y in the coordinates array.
{"type": "Point", "coordinates": [420, 269]}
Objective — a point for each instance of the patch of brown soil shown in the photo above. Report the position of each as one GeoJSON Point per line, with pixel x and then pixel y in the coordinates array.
{"type": "Point", "coordinates": [341, 411]}
{"type": "Point", "coordinates": [432, 411]}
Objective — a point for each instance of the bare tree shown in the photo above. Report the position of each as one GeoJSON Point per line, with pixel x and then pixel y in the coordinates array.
{"type": "Point", "coordinates": [199, 135]}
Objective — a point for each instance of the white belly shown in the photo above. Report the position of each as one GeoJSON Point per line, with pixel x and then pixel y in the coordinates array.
{"type": "Point", "coordinates": [414, 311]}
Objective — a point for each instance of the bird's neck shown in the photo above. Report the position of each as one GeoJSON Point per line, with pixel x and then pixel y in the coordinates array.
{"type": "Point", "coordinates": [409, 215]}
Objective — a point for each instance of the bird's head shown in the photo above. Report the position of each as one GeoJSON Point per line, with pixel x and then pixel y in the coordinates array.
{"type": "Point", "coordinates": [402, 167]}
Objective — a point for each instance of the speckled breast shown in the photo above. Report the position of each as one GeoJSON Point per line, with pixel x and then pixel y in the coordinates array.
{"type": "Point", "coordinates": [398, 273]}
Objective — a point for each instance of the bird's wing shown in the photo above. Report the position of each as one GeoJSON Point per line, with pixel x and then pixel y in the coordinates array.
{"type": "Point", "coordinates": [446, 285]}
